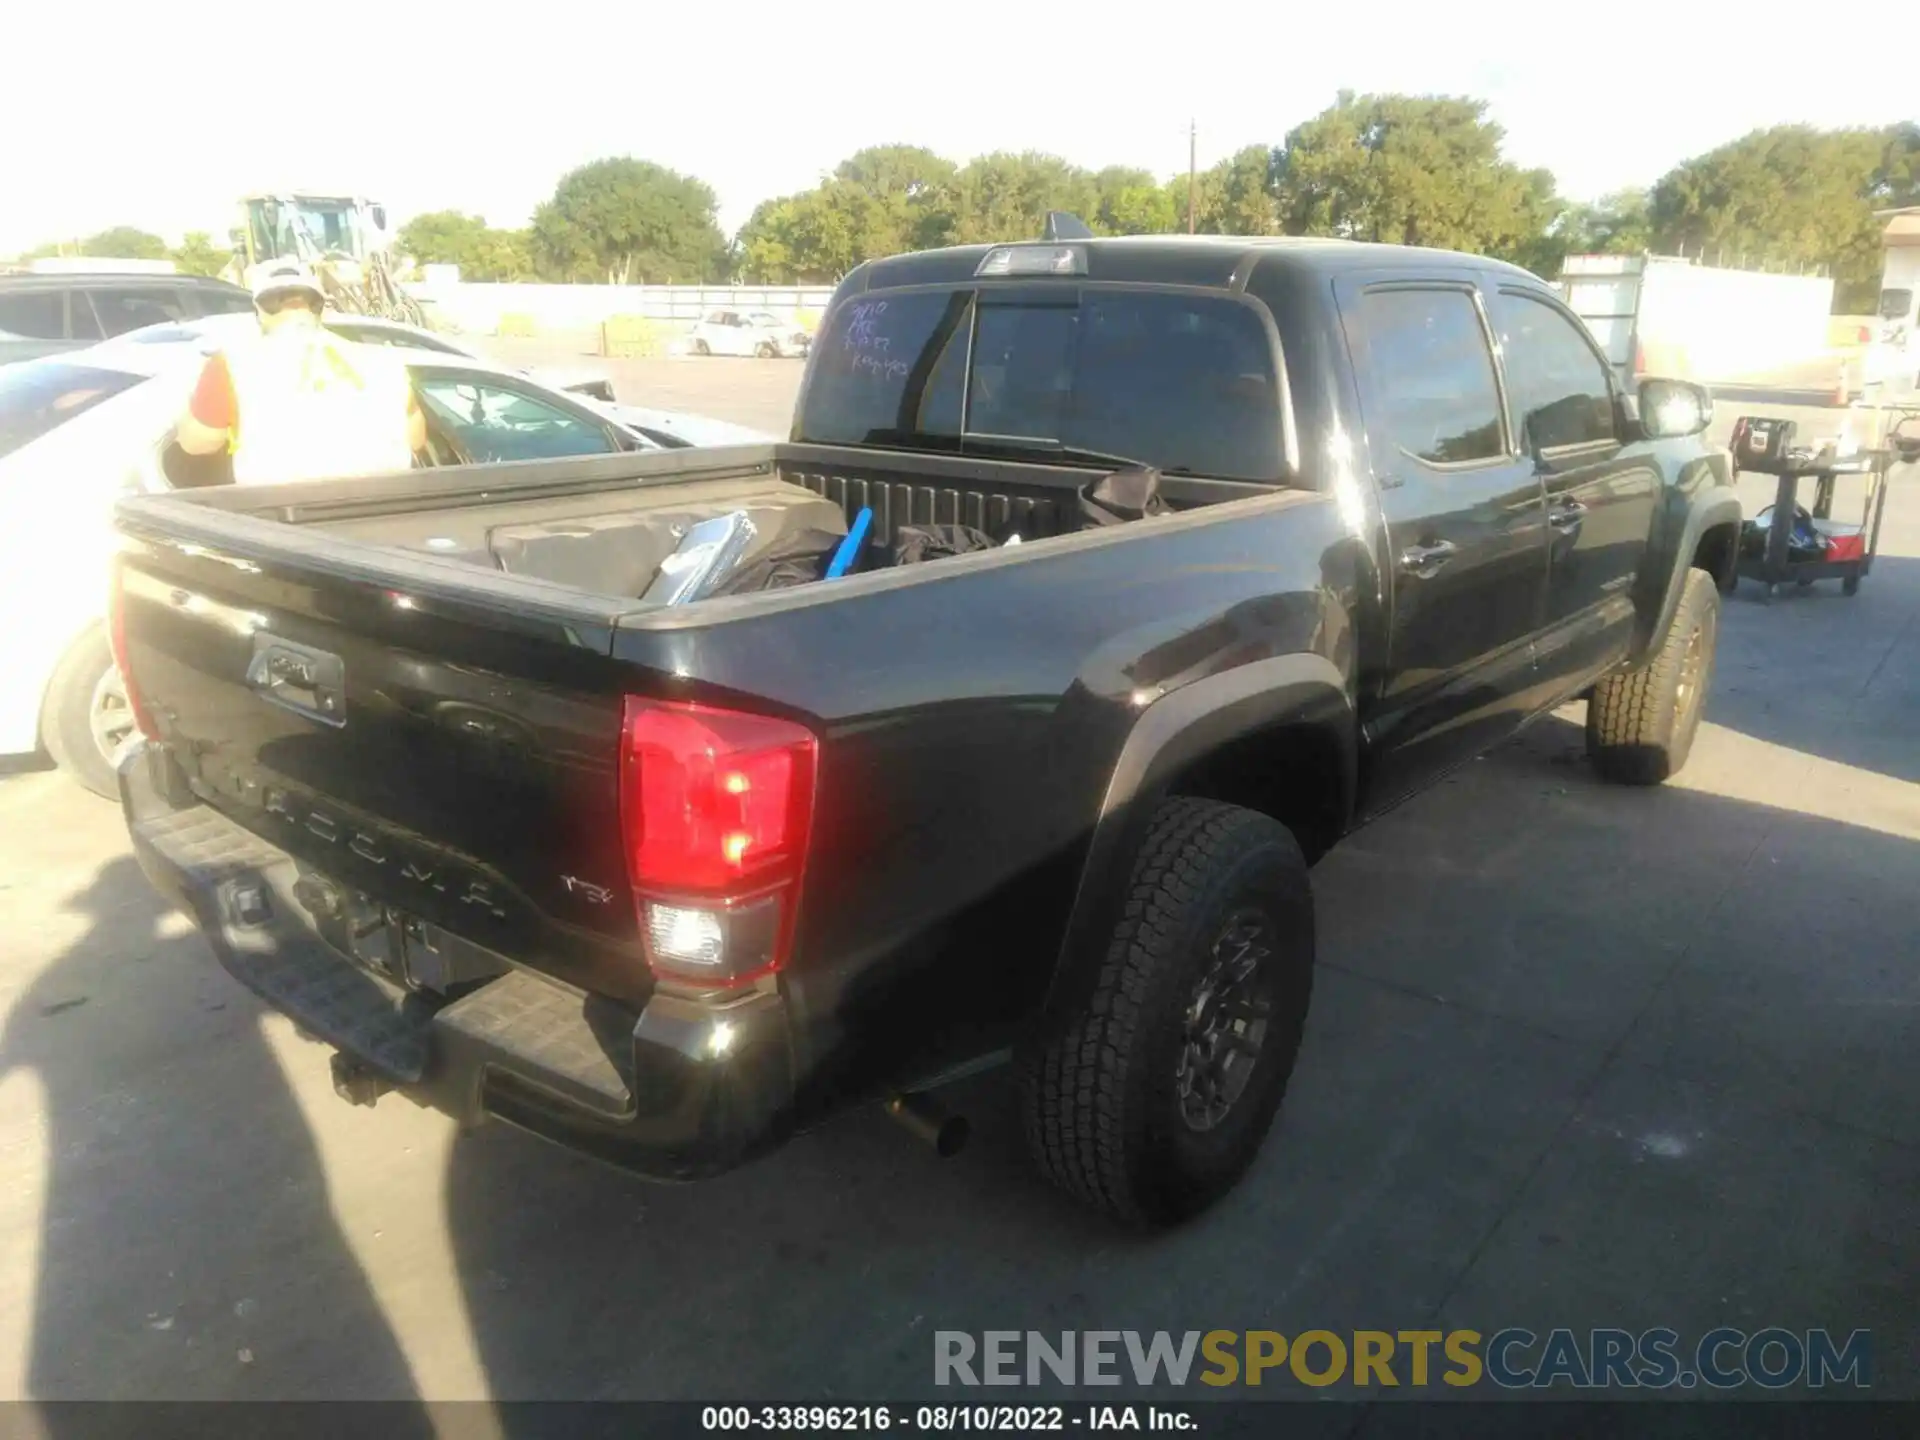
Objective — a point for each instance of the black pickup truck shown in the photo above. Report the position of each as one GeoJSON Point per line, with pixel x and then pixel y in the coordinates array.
{"type": "Point", "coordinates": [669, 884]}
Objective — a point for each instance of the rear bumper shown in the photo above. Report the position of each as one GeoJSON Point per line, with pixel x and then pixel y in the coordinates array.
{"type": "Point", "coordinates": [682, 1090]}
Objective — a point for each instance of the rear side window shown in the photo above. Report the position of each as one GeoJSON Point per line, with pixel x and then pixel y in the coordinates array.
{"type": "Point", "coordinates": [41, 395]}
{"type": "Point", "coordinates": [1184, 381]}
{"type": "Point", "coordinates": [1432, 375]}
{"type": "Point", "coordinates": [210, 301]}
{"type": "Point", "coordinates": [121, 310]}
{"type": "Point", "coordinates": [493, 423]}
{"type": "Point", "coordinates": [1557, 384]}
{"type": "Point", "coordinates": [34, 314]}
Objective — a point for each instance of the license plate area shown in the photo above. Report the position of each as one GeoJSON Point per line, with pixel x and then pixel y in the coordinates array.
{"type": "Point", "coordinates": [391, 943]}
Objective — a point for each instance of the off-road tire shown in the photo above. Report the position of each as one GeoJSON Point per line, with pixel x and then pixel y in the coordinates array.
{"type": "Point", "coordinates": [1641, 723]}
{"type": "Point", "coordinates": [65, 716]}
{"type": "Point", "coordinates": [1100, 1089]}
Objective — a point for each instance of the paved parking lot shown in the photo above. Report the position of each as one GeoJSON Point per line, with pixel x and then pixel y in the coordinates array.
{"type": "Point", "coordinates": [1579, 1056]}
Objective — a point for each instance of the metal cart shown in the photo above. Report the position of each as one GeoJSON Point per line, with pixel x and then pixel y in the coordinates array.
{"type": "Point", "coordinates": [1765, 446]}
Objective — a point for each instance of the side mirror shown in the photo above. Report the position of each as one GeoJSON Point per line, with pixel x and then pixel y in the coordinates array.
{"type": "Point", "coordinates": [1671, 409]}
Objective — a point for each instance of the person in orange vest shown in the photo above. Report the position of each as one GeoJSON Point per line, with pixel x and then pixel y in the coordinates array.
{"type": "Point", "coordinates": [295, 402]}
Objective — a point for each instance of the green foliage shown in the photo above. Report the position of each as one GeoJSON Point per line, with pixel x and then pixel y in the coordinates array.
{"type": "Point", "coordinates": [1006, 196]}
{"type": "Point", "coordinates": [1402, 169]}
{"type": "Point", "coordinates": [124, 242]}
{"type": "Point", "coordinates": [198, 255]}
{"type": "Point", "coordinates": [1235, 197]}
{"type": "Point", "coordinates": [897, 198]}
{"type": "Point", "coordinates": [1616, 224]}
{"type": "Point", "coordinates": [1132, 202]}
{"type": "Point", "coordinates": [449, 237]}
{"type": "Point", "coordinates": [1896, 181]}
{"type": "Point", "coordinates": [1789, 197]}
{"type": "Point", "coordinates": [1410, 170]}
{"type": "Point", "coordinates": [627, 221]}
{"type": "Point", "coordinates": [880, 201]}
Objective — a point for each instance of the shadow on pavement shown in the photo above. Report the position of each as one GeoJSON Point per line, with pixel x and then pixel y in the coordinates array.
{"type": "Point", "coordinates": [1579, 1056]}
{"type": "Point", "coordinates": [1824, 673]}
{"type": "Point", "coordinates": [184, 1200]}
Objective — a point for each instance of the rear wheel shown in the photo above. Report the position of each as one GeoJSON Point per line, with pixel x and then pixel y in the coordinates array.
{"type": "Point", "coordinates": [1641, 724]}
{"type": "Point", "coordinates": [1151, 1095]}
{"type": "Point", "coordinates": [763, 351]}
{"type": "Point", "coordinates": [700, 347]}
{"type": "Point", "coordinates": [85, 720]}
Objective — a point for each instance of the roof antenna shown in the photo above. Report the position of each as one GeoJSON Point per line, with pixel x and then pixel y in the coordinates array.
{"type": "Point", "coordinates": [1063, 225]}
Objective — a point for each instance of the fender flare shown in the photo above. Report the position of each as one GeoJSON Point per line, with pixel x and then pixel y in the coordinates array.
{"type": "Point", "coordinates": [1710, 508]}
{"type": "Point", "coordinates": [1181, 727]}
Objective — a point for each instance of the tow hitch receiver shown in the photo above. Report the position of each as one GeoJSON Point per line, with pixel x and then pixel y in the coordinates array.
{"type": "Point", "coordinates": [356, 1083]}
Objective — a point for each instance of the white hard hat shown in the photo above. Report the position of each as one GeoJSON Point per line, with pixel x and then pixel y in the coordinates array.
{"type": "Point", "coordinates": [272, 275]}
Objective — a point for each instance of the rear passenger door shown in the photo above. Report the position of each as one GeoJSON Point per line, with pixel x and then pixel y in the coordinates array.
{"type": "Point", "coordinates": [1465, 518]}
{"type": "Point", "coordinates": [1601, 488]}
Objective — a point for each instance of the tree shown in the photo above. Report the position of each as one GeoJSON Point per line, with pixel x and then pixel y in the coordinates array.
{"type": "Point", "coordinates": [1616, 224]}
{"type": "Point", "coordinates": [449, 237]}
{"type": "Point", "coordinates": [622, 221]}
{"type": "Point", "coordinates": [1789, 197]}
{"type": "Point", "coordinates": [1896, 182]}
{"type": "Point", "coordinates": [1005, 196]}
{"type": "Point", "coordinates": [814, 237]}
{"type": "Point", "coordinates": [1131, 202]}
{"type": "Point", "coordinates": [124, 242]}
{"type": "Point", "coordinates": [198, 255]}
{"type": "Point", "coordinates": [1236, 196]}
{"type": "Point", "coordinates": [1411, 170]}
{"type": "Point", "coordinates": [879, 201]}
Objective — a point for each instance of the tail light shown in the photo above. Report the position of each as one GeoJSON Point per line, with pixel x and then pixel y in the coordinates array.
{"type": "Point", "coordinates": [117, 640]}
{"type": "Point", "coordinates": [716, 807]}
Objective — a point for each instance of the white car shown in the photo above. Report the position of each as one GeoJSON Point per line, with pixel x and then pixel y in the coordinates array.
{"type": "Point", "coordinates": [748, 332]}
{"type": "Point", "coordinates": [81, 428]}
{"type": "Point", "coordinates": [669, 427]}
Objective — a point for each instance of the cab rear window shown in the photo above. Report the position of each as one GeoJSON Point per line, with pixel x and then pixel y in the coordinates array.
{"type": "Point", "coordinates": [1181, 380]}
{"type": "Point", "coordinates": [38, 396]}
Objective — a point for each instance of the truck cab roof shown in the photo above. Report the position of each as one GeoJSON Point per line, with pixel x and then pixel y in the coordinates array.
{"type": "Point", "coordinates": [1218, 261]}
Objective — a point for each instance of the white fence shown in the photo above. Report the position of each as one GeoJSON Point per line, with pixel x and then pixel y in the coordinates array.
{"type": "Point", "coordinates": [476, 308]}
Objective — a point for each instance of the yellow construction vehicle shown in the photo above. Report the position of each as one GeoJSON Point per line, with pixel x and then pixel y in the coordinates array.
{"type": "Point", "coordinates": [344, 238]}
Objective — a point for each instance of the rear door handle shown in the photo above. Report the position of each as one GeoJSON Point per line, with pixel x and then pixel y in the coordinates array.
{"type": "Point", "coordinates": [1424, 560]}
{"type": "Point", "coordinates": [1566, 515]}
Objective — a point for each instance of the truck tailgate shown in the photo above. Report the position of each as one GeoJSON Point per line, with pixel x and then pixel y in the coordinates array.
{"type": "Point", "coordinates": [432, 738]}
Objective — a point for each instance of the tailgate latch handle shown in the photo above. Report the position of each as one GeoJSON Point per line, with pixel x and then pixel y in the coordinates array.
{"type": "Point", "coordinates": [299, 678]}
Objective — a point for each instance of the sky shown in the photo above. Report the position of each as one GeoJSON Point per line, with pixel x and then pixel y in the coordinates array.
{"type": "Point", "coordinates": [482, 108]}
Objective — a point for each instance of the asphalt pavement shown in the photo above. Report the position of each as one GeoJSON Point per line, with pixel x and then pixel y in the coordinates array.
{"type": "Point", "coordinates": [1579, 1056]}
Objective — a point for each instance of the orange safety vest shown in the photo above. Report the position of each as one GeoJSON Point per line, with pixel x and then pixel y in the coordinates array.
{"type": "Point", "coordinates": [308, 407]}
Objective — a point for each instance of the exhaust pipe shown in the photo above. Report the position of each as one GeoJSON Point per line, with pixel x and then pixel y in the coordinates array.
{"type": "Point", "coordinates": [926, 1120]}
{"type": "Point", "coordinates": [355, 1083]}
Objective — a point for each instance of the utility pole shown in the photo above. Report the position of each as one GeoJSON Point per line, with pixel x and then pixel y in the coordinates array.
{"type": "Point", "coordinates": [1193, 142]}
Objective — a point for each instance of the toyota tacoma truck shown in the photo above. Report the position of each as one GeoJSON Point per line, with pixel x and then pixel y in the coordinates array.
{"type": "Point", "coordinates": [671, 883]}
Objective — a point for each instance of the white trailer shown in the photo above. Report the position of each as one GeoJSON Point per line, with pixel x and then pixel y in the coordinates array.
{"type": "Point", "coordinates": [1669, 315]}
{"type": "Point", "coordinates": [1893, 357]}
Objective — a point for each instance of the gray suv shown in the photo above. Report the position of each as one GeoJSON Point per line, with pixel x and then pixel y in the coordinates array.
{"type": "Point", "coordinates": [42, 314]}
